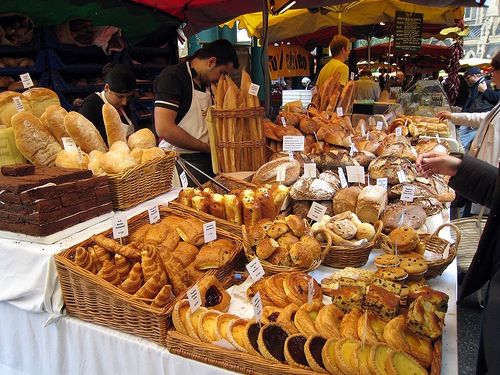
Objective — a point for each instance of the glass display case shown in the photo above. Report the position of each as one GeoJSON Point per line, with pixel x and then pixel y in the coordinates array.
{"type": "Point", "coordinates": [424, 98]}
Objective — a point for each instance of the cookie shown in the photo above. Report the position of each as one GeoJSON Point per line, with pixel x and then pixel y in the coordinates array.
{"type": "Point", "coordinates": [392, 273]}
{"type": "Point", "coordinates": [386, 260]}
{"type": "Point", "coordinates": [414, 266]}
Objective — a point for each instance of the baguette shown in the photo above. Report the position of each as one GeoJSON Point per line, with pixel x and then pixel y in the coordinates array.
{"type": "Point", "coordinates": [33, 140]}
{"type": "Point", "coordinates": [84, 133]}
{"type": "Point", "coordinates": [115, 131]}
{"type": "Point", "coordinates": [53, 120]}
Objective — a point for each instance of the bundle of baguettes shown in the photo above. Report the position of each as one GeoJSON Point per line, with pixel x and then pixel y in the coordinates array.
{"type": "Point", "coordinates": [331, 95]}
{"type": "Point", "coordinates": [233, 131]}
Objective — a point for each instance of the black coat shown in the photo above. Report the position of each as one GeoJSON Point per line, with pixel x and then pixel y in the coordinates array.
{"type": "Point", "coordinates": [480, 182]}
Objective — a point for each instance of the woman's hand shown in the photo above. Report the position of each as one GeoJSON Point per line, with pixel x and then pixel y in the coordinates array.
{"type": "Point", "coordinates": [444, 115]}
{"type": "Point", "coordinates": [434, 162]}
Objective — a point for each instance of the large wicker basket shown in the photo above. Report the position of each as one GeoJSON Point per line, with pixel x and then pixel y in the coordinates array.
{"type": "Point", "coordinates": [446, 250]}
{"type": "Point", "coordinates": [90, 298]}
{"type": "Point", "coordinates": [471, 229]}
{"type": "Point", "coordinates": [343, 256]}
{"type": "Point", "coordinates": [239, 139]}
{"type": "Point", "coordinates": [142, 182]}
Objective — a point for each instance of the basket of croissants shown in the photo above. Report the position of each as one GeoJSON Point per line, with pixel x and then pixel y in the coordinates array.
{"type": "Point", "coordinates": [132, 284]}
{"type": "Point", "coordinates": [285, 244]}
{"type": "Point", "coordinates": [437, 252]}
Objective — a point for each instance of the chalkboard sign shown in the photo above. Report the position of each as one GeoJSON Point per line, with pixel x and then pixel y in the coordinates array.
{"type": "Point", "coordinates": [408, 32]}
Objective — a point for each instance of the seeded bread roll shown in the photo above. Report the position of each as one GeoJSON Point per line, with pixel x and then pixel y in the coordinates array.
{"type": "Point", "coordinates": [371, 202]}
{"type": "Point", "coordinates": [267, 173]}
{"type": "Point", "coordinates": [84, 133]}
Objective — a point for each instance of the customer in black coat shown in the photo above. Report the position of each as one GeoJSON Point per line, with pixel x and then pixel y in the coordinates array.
{"type": "Point", "coordinates": [479, 182]}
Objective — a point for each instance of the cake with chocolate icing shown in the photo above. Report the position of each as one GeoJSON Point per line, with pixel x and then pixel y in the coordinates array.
{"type": "Point", "coordinates": [40, 201]}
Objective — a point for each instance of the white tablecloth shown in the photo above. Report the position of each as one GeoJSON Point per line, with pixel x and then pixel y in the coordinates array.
{"type": "Point", "coordinates": [28, 273]}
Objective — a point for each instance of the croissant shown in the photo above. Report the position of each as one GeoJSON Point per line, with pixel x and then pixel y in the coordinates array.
{"type": "Point", "coordinates": [163, 297]}
{"type": "Point", "coordinates": [179, 278]}
{"type": "Point", "coordinates": [133, 281]}
{"type": "Point", "coordinates": [109, 244]}
{"type": "Point", "coordinates": [150, 289]}
{"type": "Point", "coordinates": [101, 254]}
{"type": "Point", "coordinates": [108, 273]}
{"type": "Point", "coordinates": [123, 266]}
{"type": "Point", "coordinates": [151, 264]}
{"type": "Point", "coordinates": [85, 260]}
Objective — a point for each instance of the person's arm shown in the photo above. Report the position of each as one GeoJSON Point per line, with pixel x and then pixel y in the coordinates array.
{"type": "Point", "coordinates": [344, 75]}
{"type": "Point", "coordinates": [491, 95]}
{"type": "Point", "coordinates": [167, 129]}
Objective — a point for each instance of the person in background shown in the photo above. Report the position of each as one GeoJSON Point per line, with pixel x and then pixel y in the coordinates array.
{"type": "Point", "coordinates": [382, 78]}
{"type": "Point", "coordinates": [340, 47]}
{"type": "Point", "coordinates": [182, 97]}
{"type": "Point", "coordinates": [435, 75]}
{"type": "Point", "coordinates": [479, 182]}
{"type": "Point", "coordinates": [407, 83]}
{"type": "Point", "coordinates": [365, 88]}
{"type": "Point", "coordinates": [119, 86]}
{"type": "Point", "coordinates": [395, 81]}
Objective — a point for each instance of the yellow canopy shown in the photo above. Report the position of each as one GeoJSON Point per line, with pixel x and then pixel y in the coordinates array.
{"type": "Point", "coordinates": [297, 22]}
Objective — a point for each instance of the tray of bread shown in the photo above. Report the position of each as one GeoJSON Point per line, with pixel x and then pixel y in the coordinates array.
{"type": "Point", "coordinates": [131, 284]}
{"type": "Point", "coordinates": [364, 326]}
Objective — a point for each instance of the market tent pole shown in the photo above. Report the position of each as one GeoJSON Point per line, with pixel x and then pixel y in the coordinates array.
{"type": "Point", "coordinates": [265, 60]}
{"type": "Point", "coordinates": [369, 53]}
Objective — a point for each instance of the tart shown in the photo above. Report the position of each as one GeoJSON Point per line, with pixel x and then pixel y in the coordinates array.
{"type": "Point", "coordinates": [294, 351]}
{"type": "Point", "coordinates": [222, 324]}
{"type": "Point", "coordinates": [275, 289]}
{"type": "Point", "coordinates": [400, 363]}
{"type": "Point", "coordinates": [363, 359]}
{"type": "Point", "coordinates": [179, 315]}
{"type": "Point", "coordinates": [251, 336]}
{"type": "Point", "coordinates": [328, 321]}
{"type": "Point", "coordinates": [286, 318]}
{"type": "Point", "coordinates": [271, 342]}
{"type": "Point", "coordinates": [349, 324]}
{"type": "Point", "coordinates": [270, 314]}
{"type": "Point", "coordinates": [296, 288]}
{"type": "Point", "coordinates": [192, 319]}
{"type": "Point", "coordinates": [346, 355]}
{"type": "Point", "coordinates": [306, 316]}
{"type": "Point", "coordinates": [213, 294]}
{"type": "Point", "coordinates": [236, 332]}
{"type": "Point", "coordinates": [328, 356]}
{"type": "Point", "coordinates": [371, 328]}
{"type": "Point", "coordinates": [207, 324]}
{"type": "Point", "coordinates": [379, 355]}
{"type": "Point", "coordinates": [313, 349]}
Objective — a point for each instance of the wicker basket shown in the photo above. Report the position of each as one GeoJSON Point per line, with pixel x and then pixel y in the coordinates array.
{"type": "Point", "coordinates": [434, 244]}
{"type": "Point", "coordinates": [90, 298]}
{"type": "Point", "coordinates": [471, 228]}
{"type": "Point", "coordinates": [142, 182]}
{"type": "Point", "coordinates": [342, 256]}
{"type": "Point", "coordinates": [272, 269]}
{"type": "Point", "coordinates": [239, 139]}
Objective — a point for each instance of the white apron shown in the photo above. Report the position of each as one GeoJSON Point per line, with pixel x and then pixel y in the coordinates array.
{"type": "Point", "coordinates": [194, 120]}
{"type": "Point", "coordinates": [129, 126]}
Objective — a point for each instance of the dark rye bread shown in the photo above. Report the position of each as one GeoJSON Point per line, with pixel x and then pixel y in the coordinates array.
{"type": "Point", "coordinates": [18, 169]}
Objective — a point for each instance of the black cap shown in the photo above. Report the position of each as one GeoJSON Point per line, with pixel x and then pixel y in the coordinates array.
{"type": "Point", "coordinates": [120, 79]}
{"type": "Point", "coordinates": [472, 71]}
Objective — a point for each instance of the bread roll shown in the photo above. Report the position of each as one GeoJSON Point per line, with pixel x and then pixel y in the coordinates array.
{"type": "Point", "coordinates": [33, 140]}
{"type": "Point", "coordinates": [345, 199]}
{"type": "Point", "coordinates": [53, 120]}
{"type": "Point", "coordinates": [136, 154]}
{"type": "Point", "coordinates": [72, 159]}
{"type": "Point", "coordinates": [143, 138]}
{"type": "Point", "coordinates": [84, 133]}
{"type": "Point", "coordinates": [114, 162]}
{"type": "Point", "coordinates": [40, 98]}
{"type": "Point", "coordinates": [95, 166]}
{"type": "Point", "coordinates": [120, 146]}
{"type": "Point", "coordinates": [115, 131]}
{"type": "Point", "coordinates": [152, 153]}
{"type": "Point", "coordinates": [267, 173]}
{"type": "Point", "coordinates": [8, 108]}
{"type": "Point", "coordinates": [371, 202]}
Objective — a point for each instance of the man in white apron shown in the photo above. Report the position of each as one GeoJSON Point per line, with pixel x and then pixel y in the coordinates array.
{"type": "Point", "coordinates": [118, 88]}
{"type": "Point", "coordinates": [182, 97]}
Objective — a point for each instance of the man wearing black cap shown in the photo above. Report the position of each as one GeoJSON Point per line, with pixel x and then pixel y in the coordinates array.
{"type": "Point", "coordinates": [118, 88]}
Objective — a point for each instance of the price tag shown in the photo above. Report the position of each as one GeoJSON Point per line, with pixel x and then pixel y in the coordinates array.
{"type": "Point", "coordinates": [255, 270]}
{"type": "Point", "coordinates": [438, 139]}
{"type": "Point", "coordinates": [314, 91]}
{"type": "Point", "coordinates": [26, 80]}
{"type": "Point", "coordinates": [120, 226]}
{"type": "Point", "coordinates": [353, 149]}
{"type": "Point", "coordinates": [310, 289]}
{"type": "Point", "coordinates": [401, 220]}
{"type": "Point", "coordinates": [340, 112]}
{"type": "Point", "coordinates": [343, 181]}
{"type": "Point", "coordinates": [283, 121]}
{"type": "Point", "coordinates": [154, 214]}
{"type": "Point", "coordinates": [18, 103]}
{"type": "Point", "coordinates": [184, 180]}
{"type": "Point", "coordinates": [310, 170]}
{"type": "Point", "coordinates": [399, 132]}
{"type": "Point", "coordinates": [290, 155]}
{"type": "Point", "coordinates": [382, 182]}
{"type": "Point", "coordinates": [352, 76]}
{"type": "Point", "coordinates": [210, 231]}
{"type": "Point", "coordinates": [408, 193]}
{"type": "Point", "coordinates": [379, 125]}
{"type": "Point", "coordinates": [293, 143]}
{"type": "Point", "coordinates": [355, 173]}
{"type": "Point", "coordinates": [69, 144]}
{"type": "Point", "coordinates": [363, 130]}
{"type": "Point", "coordinates": [194, 297]}
{"type": "Point", "coordinates": [257, 306]}
{"type": "Point", "coordinates": [401, 176]}
{"type": "Point", "coordinates": [281, 173]}
{"type": "Point", "coordinates": [316, 212]}
{"type": "Point", "coordinates": [254, 89]}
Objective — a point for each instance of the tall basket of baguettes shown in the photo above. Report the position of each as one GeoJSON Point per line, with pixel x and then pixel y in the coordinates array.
{"type": "Point", "coordinates": [237, 135]}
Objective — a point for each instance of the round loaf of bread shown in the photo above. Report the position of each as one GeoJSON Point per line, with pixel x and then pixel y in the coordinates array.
{"type": "Point", "coordinates": [400, 150]}
{"type": "Point", "coordinates": [311, 190]}
{"type": "Point", "coordinates": [364, 158]}
{"type": "Point", "coordinates": [267, 173]}
{"type": "Point", "coordinates": [345, 199]}
{"type": "Point", "coordinates": [388, 167]}
{"type": "Point", "coordinates": [398, 214]}
{"type": "Point", "coordinates": [301, 208]}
